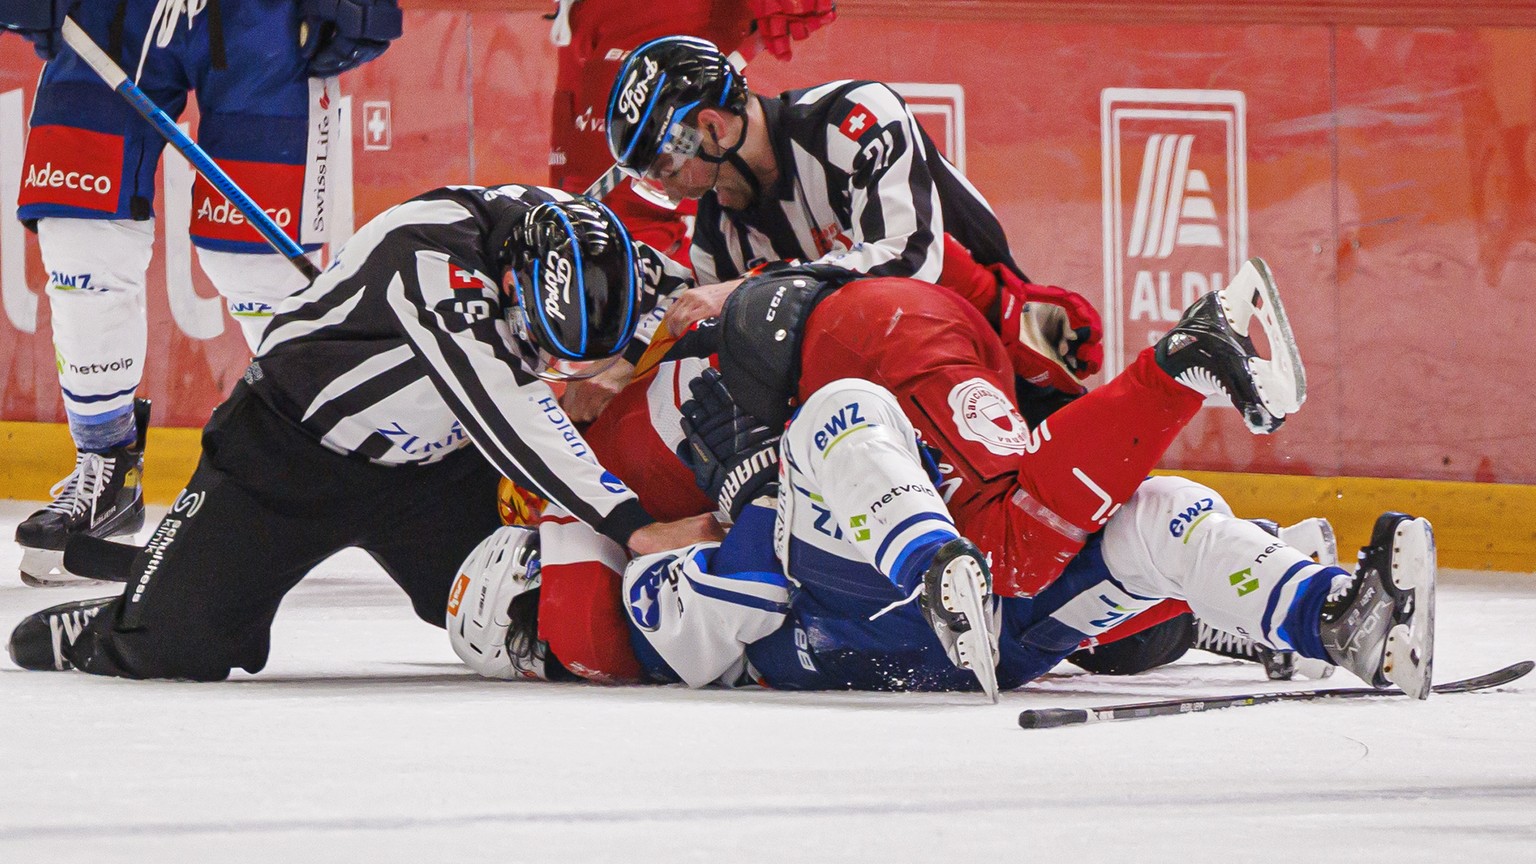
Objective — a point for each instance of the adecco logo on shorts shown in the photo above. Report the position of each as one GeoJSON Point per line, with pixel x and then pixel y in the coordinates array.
{"type": "Point", "coordinates": [45, 175]}
{"type": "Point", "coordinates": [1175, 192]}
{"type": "Point", "coordinates": [72, 168]}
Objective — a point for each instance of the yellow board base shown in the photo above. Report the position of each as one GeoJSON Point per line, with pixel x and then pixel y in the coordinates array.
{"type": "Point", "coordinates": [1478, 526]}
{"type": "Point", "coordinates": [37, 455]}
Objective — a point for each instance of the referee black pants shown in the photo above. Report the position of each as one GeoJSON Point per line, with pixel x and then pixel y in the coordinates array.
{"type": "Point", "coordinates": [266, 504]}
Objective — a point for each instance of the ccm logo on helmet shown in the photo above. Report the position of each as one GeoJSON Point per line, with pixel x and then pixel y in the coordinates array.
{"type": "Point", "coordinates": [637, 90]}
{"type": "Point", "coordinates": [47, 176]}
{"type": "Point", "coordinates": [557, 285]}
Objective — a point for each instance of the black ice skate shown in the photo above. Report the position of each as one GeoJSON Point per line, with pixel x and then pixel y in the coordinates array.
{"type": "Point", "coordinates": [956, 601]}
{"type": "Point", "coordinates": [102, 497]}
{"type": "Point", "coordinates": [1278, 665]}
{"type": "Point", "coordinates": [1210, 350]}
{"type": "Point", "coordinates": [1380, 622]}
{"type": "Point", "coordinates": [39, 641]}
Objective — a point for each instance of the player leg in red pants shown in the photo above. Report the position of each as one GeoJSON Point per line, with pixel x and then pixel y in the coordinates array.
{"type": "Point", "coordinates": [1031, 496]}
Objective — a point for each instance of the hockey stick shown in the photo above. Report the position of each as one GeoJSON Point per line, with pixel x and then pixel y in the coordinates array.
{"type": "Point", "coordinates": [1047, 718]}
{"type": "Point", "coordinates": [604, 185]}
{"type": "Point", "coordinates": [114, 77]}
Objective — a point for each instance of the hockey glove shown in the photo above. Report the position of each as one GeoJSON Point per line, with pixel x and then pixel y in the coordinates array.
{"type": "Point", "coordinates": [38, 22]}
{"type": "Point", "coordinates": [780, 22]}
{"type": "Point", "coordinates": [733, 456]}
{"type": "Point", "coordinates": [1054, 336]}
{"type": "Point", "coordinates": [337, 35]}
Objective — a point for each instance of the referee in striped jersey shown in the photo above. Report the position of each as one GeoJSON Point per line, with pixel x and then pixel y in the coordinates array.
{"type": "Point", "coordinates": [839, 174]}
{"type": "Point", "coordinates": [386, 400]}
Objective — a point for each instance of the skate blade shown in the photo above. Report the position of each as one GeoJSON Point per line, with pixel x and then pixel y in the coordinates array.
{"type": "Point", "coordinates": [965, 593]}
{"type": "Point", "coordinates": [1281, 380]}
{"type": "Point", "coordinates": [44, 568]}
{"type": "Point", "coordinates": [1410, 651]}
{"type": "Point", "coordinates": [1314, 538]}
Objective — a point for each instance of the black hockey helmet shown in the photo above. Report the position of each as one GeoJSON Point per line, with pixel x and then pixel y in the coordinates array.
{"type": "Point", "coordinates": [574, 286]}
{"type": "Point", "coordinates": [659, 85]}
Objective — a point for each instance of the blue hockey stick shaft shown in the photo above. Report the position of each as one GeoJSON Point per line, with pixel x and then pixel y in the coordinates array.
{"type": "Point", "coordinates": [114, 77]}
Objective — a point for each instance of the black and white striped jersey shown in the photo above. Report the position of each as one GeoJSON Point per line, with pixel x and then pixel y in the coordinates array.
{"type": "Point", "coordinates": [860, 185]}
{"type": "Point", "coordinates": [400, 352]}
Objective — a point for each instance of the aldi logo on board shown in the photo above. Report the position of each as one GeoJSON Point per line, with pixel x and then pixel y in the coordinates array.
{"type": "Point", "coordinates": [1175, 193]}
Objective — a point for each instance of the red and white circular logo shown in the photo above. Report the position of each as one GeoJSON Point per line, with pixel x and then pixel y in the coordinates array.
{"type": "Point", "coordinates": [984, 414]}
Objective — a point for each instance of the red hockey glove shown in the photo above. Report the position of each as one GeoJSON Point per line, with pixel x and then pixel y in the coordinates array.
{"type": "Point", "coordinates": [1054, 336]}
{"type": "Point", "coordinates": [780, 22]}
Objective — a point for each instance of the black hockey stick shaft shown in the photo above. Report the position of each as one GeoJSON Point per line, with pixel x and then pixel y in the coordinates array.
{"type": "Point", "coordinates": [1047, 718]}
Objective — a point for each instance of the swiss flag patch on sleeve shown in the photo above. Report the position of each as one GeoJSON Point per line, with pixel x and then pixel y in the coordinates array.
{"type": "Point", "coordinates": [460, 279]}
{"type": "Point", "coordinates": [857, 122]}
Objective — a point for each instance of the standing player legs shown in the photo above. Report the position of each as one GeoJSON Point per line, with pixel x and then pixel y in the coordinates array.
{"type": "Point", "coordinates": [96, 298]}
{"type": "Point", "coordinates": [96, 292]}
{"type": "Point", "coordinates": [273, 129]}
{"type": "Point", "coordinates": [253, 284]}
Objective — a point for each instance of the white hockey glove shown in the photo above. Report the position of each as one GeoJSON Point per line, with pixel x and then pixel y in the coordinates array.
{"type": "Point", "coordinates": [493, 608]}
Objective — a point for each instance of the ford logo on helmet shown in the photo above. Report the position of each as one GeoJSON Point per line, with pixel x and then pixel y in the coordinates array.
{"type": "Point", "coordinates": [637, 89]}
{"type": "Point", "coordinates": [576, 287]}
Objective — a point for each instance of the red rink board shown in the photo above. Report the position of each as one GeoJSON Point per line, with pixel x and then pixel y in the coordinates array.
{"type": "Point", "coordinates": [1387, 173]}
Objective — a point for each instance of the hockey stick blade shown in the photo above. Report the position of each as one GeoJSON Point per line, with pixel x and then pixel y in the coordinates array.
{"type": "Point", "coordinates": [1048, 718]}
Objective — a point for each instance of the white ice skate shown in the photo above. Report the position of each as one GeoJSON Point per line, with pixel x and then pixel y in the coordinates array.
{"type": "Point", "coordinates": [957, 601]}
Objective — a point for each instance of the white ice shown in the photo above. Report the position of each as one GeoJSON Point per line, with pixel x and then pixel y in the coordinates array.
{"type": "Point", "coordinates": [364, 740]}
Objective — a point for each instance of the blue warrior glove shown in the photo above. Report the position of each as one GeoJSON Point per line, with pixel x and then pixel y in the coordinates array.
{"type": "Point", "coordinates": [38, 22]}
{"type": "Point", "coordinates": [336, 35]}
{"type": "Point", "coordinates": [733, 456]}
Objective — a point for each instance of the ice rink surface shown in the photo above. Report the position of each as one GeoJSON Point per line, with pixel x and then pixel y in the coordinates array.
{"type": "Point", "coordinates": [364, 740]}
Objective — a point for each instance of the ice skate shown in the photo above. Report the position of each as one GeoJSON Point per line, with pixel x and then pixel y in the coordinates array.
{"type": "Point", "coordinates": [40, 640]}
{"type": "Point", "coordinates": [102, 497]}
{"type": "Point", "coordinates": [1278, 665]}
{"type": "Point", "coordinates": [1211, 352]}
{"type": "Point", "coordinates": [957, 602]}
{"type": "Point", "coordinates": [1379, 623]}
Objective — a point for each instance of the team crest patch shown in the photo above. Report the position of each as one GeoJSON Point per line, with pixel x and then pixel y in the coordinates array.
{"type": "Point", "coordinates": [983, 414]}
{"type": "Point", "coordinates": [644, 610]}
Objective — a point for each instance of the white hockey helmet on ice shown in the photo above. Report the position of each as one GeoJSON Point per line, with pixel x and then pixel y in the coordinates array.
{"type": "Point", "coordinates": [493, 607]}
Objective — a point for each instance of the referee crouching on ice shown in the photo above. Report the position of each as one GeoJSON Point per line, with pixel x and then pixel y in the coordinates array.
{"type": "Point", "coordinates": [435, 328]}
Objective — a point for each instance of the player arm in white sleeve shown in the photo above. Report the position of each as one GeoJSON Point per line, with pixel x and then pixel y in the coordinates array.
{"type": "Point", "coordinates": [701, 621]}
{"type": "Point", "coordinates": [897, 221]}
{"type": "Point", "coordinates": [512, 417]}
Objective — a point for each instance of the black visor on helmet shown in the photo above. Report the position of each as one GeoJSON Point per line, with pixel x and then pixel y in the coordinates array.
{"type": "Point", "coordinates": [575, 286]}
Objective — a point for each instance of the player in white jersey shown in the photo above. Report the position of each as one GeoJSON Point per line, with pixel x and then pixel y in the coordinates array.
{"type": "Point", "coordinates": [813, 588]}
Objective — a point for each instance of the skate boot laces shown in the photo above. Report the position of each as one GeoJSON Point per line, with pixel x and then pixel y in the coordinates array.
{"type": "Point", "coordinates": [79, 492]}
